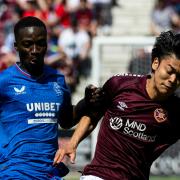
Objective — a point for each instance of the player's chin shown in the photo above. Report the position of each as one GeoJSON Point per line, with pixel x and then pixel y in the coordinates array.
{"type": "Point", "coordinates": [167, 91]}
{"type": "Point", "coordinates": [36, 65]}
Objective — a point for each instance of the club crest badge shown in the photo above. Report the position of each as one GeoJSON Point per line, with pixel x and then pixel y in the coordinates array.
{"type": "Point", "coordinates": [160, 115]}
{"type": "Point", "coordinates": [57, 89]}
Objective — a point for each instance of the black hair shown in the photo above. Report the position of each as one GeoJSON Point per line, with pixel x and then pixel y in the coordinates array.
{"type": "Point", "coordinates": [29, 21]}
{"type": "Point", "coordinates": [166, 43]}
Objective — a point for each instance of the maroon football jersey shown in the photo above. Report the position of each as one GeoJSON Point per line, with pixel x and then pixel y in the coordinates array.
{"type": "Point", "coordinates": [134, 131]}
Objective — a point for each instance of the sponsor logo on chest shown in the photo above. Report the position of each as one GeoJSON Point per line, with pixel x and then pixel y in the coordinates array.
{"type": "Point", "coordinates": [42, 106]}
{"type": "Point", "coordinates": [44, 112]}
{"type": "Point", "coordinates": [131, 128]}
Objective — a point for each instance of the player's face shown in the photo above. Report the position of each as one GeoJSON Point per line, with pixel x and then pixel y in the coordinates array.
{"type": "Point", "coordinates": [166, 75]}
{"type": "Point", "coordinates": [32, 45]}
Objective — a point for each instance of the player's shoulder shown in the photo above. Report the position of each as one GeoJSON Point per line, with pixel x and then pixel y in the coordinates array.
{"type": "Point", "coordinates": [128, 75]}
{"type": "Point", "coordinates": [52, 72]}
{"type": "Point", "coordinates": [175, 98]}
{"type": "Point", "coordinates": [126, 78]}
{"type": "Point", "coordinates": [125, 81]}
{"type": "Point", "coordinates": [173, 103]}
{"type": "Point", "coordinates": [6, 77]}
{"type": "Point", "coordinates": [7, 73]}
{"type": "Point", "coordinates": [55, 76]}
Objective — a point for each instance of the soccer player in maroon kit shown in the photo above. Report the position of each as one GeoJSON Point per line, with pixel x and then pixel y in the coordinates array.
{"type": "Point", "coordinates": [140, 121]}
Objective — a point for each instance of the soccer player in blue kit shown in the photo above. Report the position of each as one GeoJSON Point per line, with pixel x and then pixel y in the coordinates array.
{"type": "Point", "coordinates": [34, 98]}
{"type": "Point", "coordinates": [141, 118]}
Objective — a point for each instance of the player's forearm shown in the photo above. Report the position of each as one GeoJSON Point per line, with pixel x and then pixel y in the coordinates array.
{"type": "Point", "coordinates": [83, 129]}
{"type": "Point", "coordinates": [79, 111]}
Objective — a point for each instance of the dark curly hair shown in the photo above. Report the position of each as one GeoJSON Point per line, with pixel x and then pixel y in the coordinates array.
{"type": "Point", "coordinates": [166, 43]}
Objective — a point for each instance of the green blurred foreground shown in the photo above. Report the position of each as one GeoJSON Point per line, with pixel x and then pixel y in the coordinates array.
{"type": "Point", "coordinates": [165, 178]}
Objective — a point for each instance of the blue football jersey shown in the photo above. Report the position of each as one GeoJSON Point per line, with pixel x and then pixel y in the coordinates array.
{"type": "Point", "coordinates": [29, 109]}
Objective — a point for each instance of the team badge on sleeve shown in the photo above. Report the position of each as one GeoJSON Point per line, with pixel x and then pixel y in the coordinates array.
{"type": "Point", "coordinates": [160, 115]}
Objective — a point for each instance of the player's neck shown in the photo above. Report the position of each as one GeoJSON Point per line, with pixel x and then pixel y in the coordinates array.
{"type": "Point", "coordinates": [152, 90]}
{"type": "Point", "coordinates": [32, 72]}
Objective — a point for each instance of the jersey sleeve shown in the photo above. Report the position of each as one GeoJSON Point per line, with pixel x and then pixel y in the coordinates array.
{"type": "Point", "coordinates": [112, 85]}
{"type": "Point", "coordinates": [66, 108]}
{"type": "Point", "coordinates": [3, 84]}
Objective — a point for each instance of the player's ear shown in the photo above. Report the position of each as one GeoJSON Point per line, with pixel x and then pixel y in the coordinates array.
{"type": "Point", "coordinates": [155, 64]}
{"type": "Point", "coordinates": [15, 46]}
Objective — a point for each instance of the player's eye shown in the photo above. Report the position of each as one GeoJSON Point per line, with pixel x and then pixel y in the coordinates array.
{"type": "Point", "coordinates": [169, 70]}
{"type": "Point", "coordinates": [41, 43]}
{"type": "Point", "coordinates": [26, 44]}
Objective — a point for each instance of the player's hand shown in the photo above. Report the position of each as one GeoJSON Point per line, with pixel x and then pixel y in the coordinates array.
{"type": "Point", "coordinates": [68, 150]}
{"type": "Point", "coordinates": [94, 96]}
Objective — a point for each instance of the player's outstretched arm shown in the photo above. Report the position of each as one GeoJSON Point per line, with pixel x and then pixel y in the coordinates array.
{"type": "Point", "coordinates": [83, 129]}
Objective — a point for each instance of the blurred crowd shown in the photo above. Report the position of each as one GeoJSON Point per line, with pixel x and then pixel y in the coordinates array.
{"type": "Point", "coordinates": [71, 24]}
{"type": "Point", "coordinates": [165, 16]}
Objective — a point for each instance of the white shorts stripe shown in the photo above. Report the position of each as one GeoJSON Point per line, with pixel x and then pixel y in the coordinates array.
{"type": "Point", "coordinates": [90, 177]}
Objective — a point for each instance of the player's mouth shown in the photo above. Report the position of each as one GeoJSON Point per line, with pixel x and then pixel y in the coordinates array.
{"type": "Point", "coordinates": [168, 88]}
{"type": "Point", "coordinates": [34, 61]}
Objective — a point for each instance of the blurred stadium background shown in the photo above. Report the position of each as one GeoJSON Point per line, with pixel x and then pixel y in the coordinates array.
{"type": "Point", "coordinates": [124, 46]}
